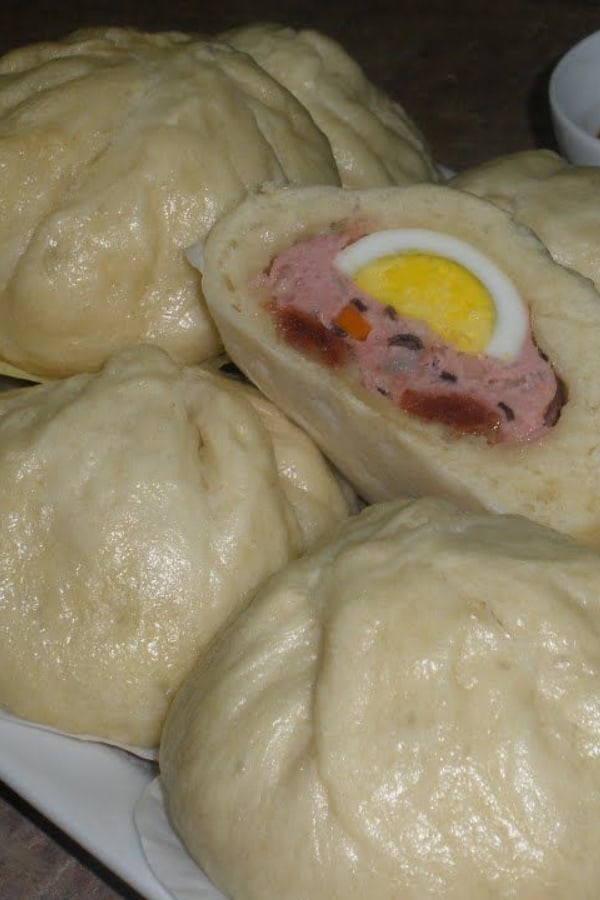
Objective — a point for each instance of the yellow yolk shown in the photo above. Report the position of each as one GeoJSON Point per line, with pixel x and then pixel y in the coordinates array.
{"type": "Point", "coordinates": [438, 291]}
{"type": "Point", "coordinates": [443, 281]}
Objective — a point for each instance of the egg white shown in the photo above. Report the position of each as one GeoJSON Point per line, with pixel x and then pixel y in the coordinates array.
{"type": "Point", "coordinates": [512, 319]}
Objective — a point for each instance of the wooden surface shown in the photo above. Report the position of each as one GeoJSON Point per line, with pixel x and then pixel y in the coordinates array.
{"type": "Point", "coordinates": [472, 74]}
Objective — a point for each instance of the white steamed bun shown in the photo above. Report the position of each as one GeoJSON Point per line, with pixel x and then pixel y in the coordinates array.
{"type": "Point", "coordinates": [411, 711]}
{"type": "Point", "coordinates": [141, 507]}
{"type": "Point", "coordinates": [118, 149]}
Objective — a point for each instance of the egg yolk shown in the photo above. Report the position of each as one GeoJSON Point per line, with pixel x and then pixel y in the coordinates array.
{"type": "Point", "coordinates": [435, 290]}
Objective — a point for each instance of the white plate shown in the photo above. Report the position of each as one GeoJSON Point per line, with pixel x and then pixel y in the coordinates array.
{"type": "Point", "coordinates": [168, 858]}
{"type": "Point", "coordinates": [89, 790]}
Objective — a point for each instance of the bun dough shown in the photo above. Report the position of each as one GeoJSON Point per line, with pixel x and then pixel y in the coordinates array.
{"type": "Point", "coordinates": [410, 711]}
{"type": "Point", "coordinates": [558, 201]}
{"type": "Point", "coordinates": [374, 141]}
{"type": "Point", "coordinates": [118, 150]}
{"type": "Point", "coordinates": [384, 451]}
{"type": "Point", "coordinates": [141, 506]}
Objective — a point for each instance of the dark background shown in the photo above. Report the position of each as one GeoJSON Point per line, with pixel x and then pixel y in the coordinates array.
{"type": "Point", "coordinates": [472, 74]}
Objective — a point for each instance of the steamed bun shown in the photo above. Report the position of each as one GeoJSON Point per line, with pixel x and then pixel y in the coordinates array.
{"type": "Point", "coordinates": [141, 506]}
{"type": "Point", "coordinates": [117, 150]}
{"type": "Point", "coordinates": [558, 201]}
{"type": "Point", "coordinates": [374, 141]}
{"type": "Point", "coordinates": [411, 711]}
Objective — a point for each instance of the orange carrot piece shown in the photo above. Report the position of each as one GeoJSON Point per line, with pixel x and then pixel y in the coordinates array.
{"type": "Point", "coordinates": [350, 320]}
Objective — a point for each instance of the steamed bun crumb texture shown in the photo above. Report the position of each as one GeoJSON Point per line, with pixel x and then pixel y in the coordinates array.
{"type": "Point", "coordinates": [141, 507]}
{"type": "Point", "coordinates": [409, 711]}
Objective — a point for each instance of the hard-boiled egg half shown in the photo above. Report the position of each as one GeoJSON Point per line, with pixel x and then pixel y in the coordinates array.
{"type": "Point", "coordinates": [457, 291]}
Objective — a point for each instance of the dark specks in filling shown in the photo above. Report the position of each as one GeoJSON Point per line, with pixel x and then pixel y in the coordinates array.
{"type": "Point", "coordinates": [504, 400]}
{"type": "Point", "coordinates": [552, 413]}
{"type": "Point", "coordinates": [508, 412]}
{"type": "Point", "coordinates": [409, 341]}
{"type": "Point", "coordinates": [337, 330]}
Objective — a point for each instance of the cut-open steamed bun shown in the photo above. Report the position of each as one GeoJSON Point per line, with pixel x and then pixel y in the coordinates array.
{"type": "Point", "coordinates": [426, 341]}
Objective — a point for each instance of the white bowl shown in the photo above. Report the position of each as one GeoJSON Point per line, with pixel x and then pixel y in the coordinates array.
{"type": "Point", "coordinates": [574, 93]}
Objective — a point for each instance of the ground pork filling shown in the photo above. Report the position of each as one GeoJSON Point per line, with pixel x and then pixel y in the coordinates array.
{"type": "Point", "coordinates": [320, 311]}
